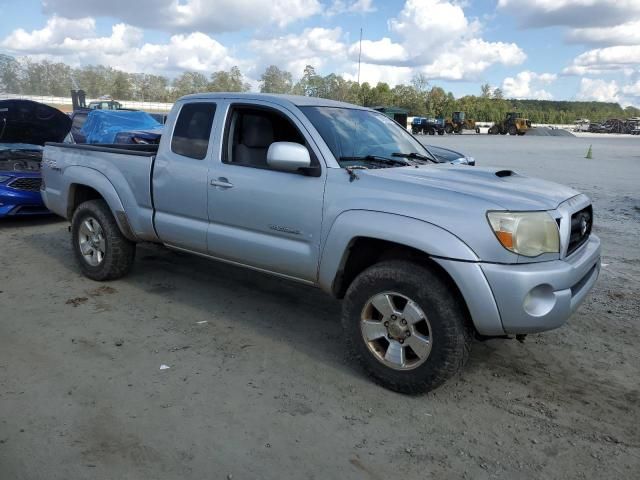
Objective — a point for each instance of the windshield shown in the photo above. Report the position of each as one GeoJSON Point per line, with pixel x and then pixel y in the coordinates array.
{"type": "Point", "coordinates": [358, 135]}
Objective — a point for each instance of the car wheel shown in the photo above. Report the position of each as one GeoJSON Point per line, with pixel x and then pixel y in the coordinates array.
{"type": "Point", "coordinates": [448, 129]}
{"type": "Point", "coordinates": [477, 129]}
{"type": "Point", "coordinates": [99, 246]}
{"type": "Point", "coordinates": [513, 130]}
{"type": "Point", "coordinates": [405, 326]}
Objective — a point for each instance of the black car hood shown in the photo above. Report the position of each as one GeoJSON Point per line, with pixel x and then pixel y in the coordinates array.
{"type": "Point", "coordinates": [25, 121]}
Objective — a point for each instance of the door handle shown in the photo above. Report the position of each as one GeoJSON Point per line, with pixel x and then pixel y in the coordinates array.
{"type": "Point", "coordinates": [221, 182]}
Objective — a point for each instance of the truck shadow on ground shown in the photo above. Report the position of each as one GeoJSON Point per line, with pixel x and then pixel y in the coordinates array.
{"type": "Point", "coordinates": [284, 311]}
{"type": "Point", "coordinates": [29, 221]}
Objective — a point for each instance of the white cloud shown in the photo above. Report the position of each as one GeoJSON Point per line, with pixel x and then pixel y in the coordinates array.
{"type": "Point", "coordinates": [353, 6]}
{"type": "Point", "coordinates": [314, 46]}
{"type": "Point", "coordinates": [528, 84]}
{"type": "Point", "coordinates": [438, 40]}
{"type": "Point", "coordinates": [599, 90]}
{"type": "Point", "coordinates": [373, 73]}
{"type": "Point", "coordinates": [212, 16]}
{"type": "Point", "coordinates": [54, 32]}
{"type": "Point", "coordinates": [624, 34]}
{"type": "Point", "coordinates": [574, 13]}
{"type": "Point", "coordinates": [433, 37]}
{"type": "Point", "coordinates": [123, 49]}
{"type": "Point", "coordinates": [625, 58]}
{"type": "Point", "coordinates": [380, 52]}
{"type": "Point", "coordinates": [632, 90]}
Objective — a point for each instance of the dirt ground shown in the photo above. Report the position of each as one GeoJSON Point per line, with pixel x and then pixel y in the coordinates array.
{"type": "Point", "coordinates": [258, 385]}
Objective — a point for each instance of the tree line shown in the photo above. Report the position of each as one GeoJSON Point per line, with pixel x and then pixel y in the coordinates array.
{"type": "Point", "coordinates": [419, 97]}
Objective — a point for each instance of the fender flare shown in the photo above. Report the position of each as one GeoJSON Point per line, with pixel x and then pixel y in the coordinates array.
{"type": "Point", "coordinates": [85, 176]}
{"type": "Point", "coordinates": [411, 232]}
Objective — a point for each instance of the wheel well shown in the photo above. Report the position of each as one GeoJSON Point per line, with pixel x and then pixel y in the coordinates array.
{"type": "Point", "coordinates": [79, 194]}
{"type": "Point", "coordinates": [364, 252]}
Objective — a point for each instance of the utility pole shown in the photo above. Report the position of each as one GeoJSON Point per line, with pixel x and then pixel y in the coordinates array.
{"type": "Point", "coordinates": [359, 55]}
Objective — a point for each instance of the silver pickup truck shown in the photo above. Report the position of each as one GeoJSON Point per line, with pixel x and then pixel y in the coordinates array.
{"type": "Point", "coordinates": [425, 255]}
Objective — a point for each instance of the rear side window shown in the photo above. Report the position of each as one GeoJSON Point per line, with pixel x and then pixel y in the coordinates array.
{"type": "Point", "coordinates": [192, 130]}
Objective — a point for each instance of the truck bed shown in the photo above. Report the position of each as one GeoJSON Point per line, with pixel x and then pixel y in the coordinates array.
{"type": "Point", "coordinates": [129, 149]}
{"type": "Point", "coordinates": [122, 173]}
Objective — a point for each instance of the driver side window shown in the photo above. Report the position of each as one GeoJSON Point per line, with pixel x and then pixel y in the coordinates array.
{"type": "Point", "coordinates": [250, 132]}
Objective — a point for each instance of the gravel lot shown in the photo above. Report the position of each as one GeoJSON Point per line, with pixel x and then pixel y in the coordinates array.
{"type": "Point", "coordinates": [258, 385]}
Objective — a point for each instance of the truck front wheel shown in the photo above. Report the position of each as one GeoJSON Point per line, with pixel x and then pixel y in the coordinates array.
{"type": "Point", "coordinates": [405, 326]}
{"type": "Point", "coordinates": [100, 248]}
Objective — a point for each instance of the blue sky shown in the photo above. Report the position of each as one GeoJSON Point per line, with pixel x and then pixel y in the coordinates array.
{"type": "Point", "coordinates": [549, 49]}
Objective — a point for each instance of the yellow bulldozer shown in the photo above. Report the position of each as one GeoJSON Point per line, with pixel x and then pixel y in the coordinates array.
{"type": "Point", "coordinates": [457, 123]}
{"type": "Point", "coordinates": [513, 124]}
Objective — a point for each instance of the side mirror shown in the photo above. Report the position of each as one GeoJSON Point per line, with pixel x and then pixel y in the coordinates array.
{"type": "Point", "coordinates": [288, 156]}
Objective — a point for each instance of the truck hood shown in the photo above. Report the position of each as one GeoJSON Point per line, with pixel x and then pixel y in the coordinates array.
{"type": "Point", "coordinates": [504, 189]}
{"type": "Point", "coordinates": [24, 121]}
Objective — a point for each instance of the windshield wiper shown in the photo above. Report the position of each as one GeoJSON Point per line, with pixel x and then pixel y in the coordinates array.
{"type": "Point", "coordinates": [415, 156]}
{"type": "Point", "coordinates": [375, 158]}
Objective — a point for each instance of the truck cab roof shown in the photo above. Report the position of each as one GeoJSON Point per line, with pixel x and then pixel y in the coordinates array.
{"type": "Point", "coordinates": [279, 99]}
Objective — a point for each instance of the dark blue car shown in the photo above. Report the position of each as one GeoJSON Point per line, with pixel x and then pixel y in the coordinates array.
{"type": "Point", "coordinates": [25, 126]}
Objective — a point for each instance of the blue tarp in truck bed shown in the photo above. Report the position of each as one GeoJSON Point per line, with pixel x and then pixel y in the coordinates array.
{"type": "Point", "coordinates": [103, 125]}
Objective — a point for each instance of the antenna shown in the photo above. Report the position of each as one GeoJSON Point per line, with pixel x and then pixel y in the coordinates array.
{"type": "Point", "coordinates": [359, 55]}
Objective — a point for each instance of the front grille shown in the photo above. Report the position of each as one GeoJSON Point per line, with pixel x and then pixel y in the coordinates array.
{"type": "Point", "coordinates": [26, 183]}
{"type": "Point", "coordinates": [581, 223]}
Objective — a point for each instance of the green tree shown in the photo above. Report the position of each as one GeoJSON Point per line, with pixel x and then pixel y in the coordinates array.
{"type": "Point", "coordinates": [310, 84]}
{"type": "Point", "coordinates": [9, 75]}
{"type": "Point", "coordinates": [188, 83]}
{"type": "Point", "coordinates": [420, 82]}
{"type": "Point", "coordinates": [485, 90]}
{"type": "Point", "coordinates": [231, 81]}
{"type": "Point", "coordinates": [121, 86]}
{"type": "Point", "coordinates": [274, 80]}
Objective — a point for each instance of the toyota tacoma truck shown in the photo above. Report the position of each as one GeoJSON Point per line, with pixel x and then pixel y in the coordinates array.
{"type": "Point", "coordinates": [425, 255]}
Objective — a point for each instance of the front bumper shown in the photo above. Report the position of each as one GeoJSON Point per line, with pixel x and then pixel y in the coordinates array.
{"type": "Point", "coordinates": [525, 297]}
{"type": "Point", "coordinates": [535, 297]}
{"type": "Point", "coordinates": [20, 202]}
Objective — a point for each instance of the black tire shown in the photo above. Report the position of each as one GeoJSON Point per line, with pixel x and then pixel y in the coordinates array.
{"type": "Point", "coordinates": [432, 131]}
{"type": "Point", "coordinates": [477, 129]}
{"type": "Point", "coordinates": [513, 130]}
{"type": "Point", "coordinates": [450, 332]}
{"type": "Point", "coordinates": [440, 132]}
{"type": "Point", "coordinates": [119, 251]}
{"type": "Point", "coordinates": [448, 129]}
{"type": "Point", "coordinates": [494, 130]}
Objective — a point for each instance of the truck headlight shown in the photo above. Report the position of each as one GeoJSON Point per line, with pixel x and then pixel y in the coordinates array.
{"type": "Point", "coordinates": [526, 233]}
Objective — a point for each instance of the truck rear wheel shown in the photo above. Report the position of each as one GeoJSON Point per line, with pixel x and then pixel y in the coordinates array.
{"type": "Point", "coordinates": [405, 326]}
{"type": "Point", "coordinates": [513, 130]}
{"type": "Point", "coordinates": [99, 246]}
